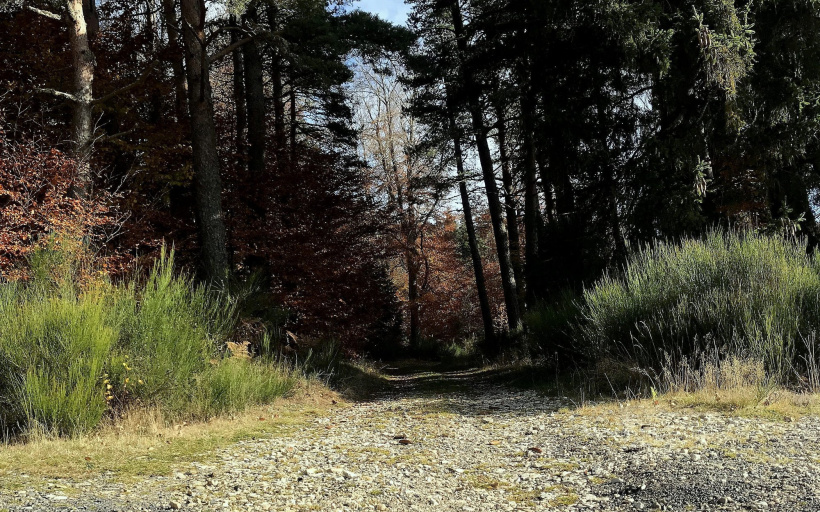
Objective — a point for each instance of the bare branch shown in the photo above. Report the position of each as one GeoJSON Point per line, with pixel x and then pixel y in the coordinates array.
{"type": "Point", "coordinates": [47, 14]}
{"type": "Point", "coordinates": [56, 93]}
{"type": "Point", "coordinates": [124, 89]}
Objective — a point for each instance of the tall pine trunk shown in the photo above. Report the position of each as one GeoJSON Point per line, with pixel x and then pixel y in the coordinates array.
{"type": "Point", "coordinates": [509, 200]}
{"type": "Point", "coordinates": [255, 91]}
{"type": "Point", "coordinates": [277, 83]}
{"type": "Point", "coordinates": [532, 208]}
{"type": "Point", "coordinates": [171, 20]}
{"type": "Point", "coordinates": [239, 92]}
{"type": "Point", "coordinates": [485, 157]}
{"type": "Point", "coordinates": [207, 181]}
{"type": "Point", "coordinates": [478, 266]}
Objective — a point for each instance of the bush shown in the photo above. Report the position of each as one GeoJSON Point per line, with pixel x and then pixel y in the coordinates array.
{"type": "Point", "coordinates": [54, 349]}
{"type": "Point", "coordinates": [741, 294]}
{"type": "Point", "coordinates": [75, 347]}
{"type": "Point", "coordinates": [551, 327]}
{"type": "Point", "coordinates": [234, 384]}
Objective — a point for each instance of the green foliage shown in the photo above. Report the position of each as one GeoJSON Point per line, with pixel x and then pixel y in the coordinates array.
{"type": "Point", "coordinates": [551, 325]}
{"type": "Point", "coordinates": [75, 347]}
{"type": "Point", "coordinates": [740, 294]}
{"type": "Point", "coordinates": [170, 328]}
{"type": "Point", "coordinates": [54, 349]}
{"type": "Point", "coordinates": [234, 384]}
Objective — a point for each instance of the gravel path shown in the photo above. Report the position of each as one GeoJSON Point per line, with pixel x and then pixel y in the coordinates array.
{"type": "Point", "coordinates": [484, 447]}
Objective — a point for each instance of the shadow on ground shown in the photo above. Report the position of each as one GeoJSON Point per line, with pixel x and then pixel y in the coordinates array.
{"type": "Point", "coordinates": [460, 389]}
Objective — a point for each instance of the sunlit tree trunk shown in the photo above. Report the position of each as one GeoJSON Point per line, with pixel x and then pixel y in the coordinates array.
{"type": "Point", "coordinates": [84, 65]}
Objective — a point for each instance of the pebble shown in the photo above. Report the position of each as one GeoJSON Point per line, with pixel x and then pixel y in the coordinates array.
{"type": "Point", "coordinates": [472, 449]}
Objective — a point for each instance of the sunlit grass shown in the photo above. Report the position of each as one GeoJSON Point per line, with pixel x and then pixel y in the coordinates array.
{"type": "Point", "coordinates": [143, 444]}
{"type": "Point", "coordinates": [76, 348]}
{"type": "Point", "coordinates": [740, 294]}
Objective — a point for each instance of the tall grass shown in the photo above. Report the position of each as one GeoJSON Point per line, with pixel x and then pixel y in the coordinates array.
{"type": "Point", "coordinates": [75, 347]}
{"type": "Point", "coordinates": [741, 294]}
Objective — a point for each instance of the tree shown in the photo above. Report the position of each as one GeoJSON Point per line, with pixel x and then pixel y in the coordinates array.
{"type": "Point", "coordinates": [408, 180]}
{"type": "Point", "coordinates": [207, 180]}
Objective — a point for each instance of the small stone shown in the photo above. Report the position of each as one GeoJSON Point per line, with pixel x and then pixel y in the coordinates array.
{"type": "Point", "coordinates": [175, 505]}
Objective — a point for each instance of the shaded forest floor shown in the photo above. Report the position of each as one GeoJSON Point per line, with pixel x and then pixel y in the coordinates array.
{"type": "Point", "coordinates": [462, 439]}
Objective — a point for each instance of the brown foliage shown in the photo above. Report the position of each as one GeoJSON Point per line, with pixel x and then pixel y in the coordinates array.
{"type": "Point", "coordinates": [35, 202]}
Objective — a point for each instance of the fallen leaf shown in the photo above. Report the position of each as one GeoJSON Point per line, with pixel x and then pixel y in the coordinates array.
{"type": "Point", "coordinates": [405, 441]}
{"type": "Point", "coordinates": [536, 449]}
{"type": "Point", "coordinates": [88, 458]}
{"type": "Point", "coordinates": [261, 419]}
{"type": "Point", "coordinates": [495, 443]}
{"type": "Point", "coordinates": [400, 436]}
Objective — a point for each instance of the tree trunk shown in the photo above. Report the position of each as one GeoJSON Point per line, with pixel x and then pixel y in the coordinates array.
{"type": "Point", "coordinates": [278, 86]}
{"type": "Point", "coordinates": [509, 202]}
{"type": "Point", "coordinates": [478, 266]}
{"type": "Point", "coordinates": [169, 15]}
{"type": "Point", "coordinates": [531, 201]}
{"type": "Point", "coordinates": [293, 120]}
{"type": "Point", "coordinates": [255, 91]}
{"type": "Point", "coordinates": [84, 64]}
{"type": "Point", "coordinates": [239, 92]}
{"type": "Point", "coordinates": [412, 260]}
{"type": "Point", "coordinates": [207, 181]}
{"type": "Point", "coordinates": [486, 160]}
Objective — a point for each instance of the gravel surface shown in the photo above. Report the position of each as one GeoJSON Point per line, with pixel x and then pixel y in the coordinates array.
{"type": "Point", "coordinates": [483, 447]}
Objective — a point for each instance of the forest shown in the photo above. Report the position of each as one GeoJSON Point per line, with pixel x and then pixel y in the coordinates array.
{"type": "Point", "coordinates": [570, 182]}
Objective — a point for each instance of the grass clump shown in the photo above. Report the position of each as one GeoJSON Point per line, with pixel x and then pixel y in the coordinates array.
{"type": "Point", "coordinates": [742, 295]}
{"type": "Point", "coordinates": [76, 348]}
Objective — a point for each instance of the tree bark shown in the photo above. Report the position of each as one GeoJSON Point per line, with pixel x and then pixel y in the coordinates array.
{"type": "Point", "coordinates": [485, 157]}
{"type": "Point", "coordinates": [255, 92]}
{"type": "Point", "coordinates": [509, 202]}
{"type": "Point", "coordinates": [175, 52]}
{"type": "Point", "coordinates": [239, 96]}
{"type": "Point", "coordinates": [293, 118]}
{"type": "Point", "coordinates": [531, 201]}
{"type": "Point", "coordinates": [84, 66]}
{"type": "Point", "coordinates": [207, 181]}
{"type": "Point", "coordinates": [277, 82]}
{"type": "Point", "coordinates": [412, 260]}
{"type": "Point", "coordinates": [478, 266]}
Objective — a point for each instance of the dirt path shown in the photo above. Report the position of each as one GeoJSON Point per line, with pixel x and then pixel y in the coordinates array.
{"type": "Point", "coordinates": [458, 442]}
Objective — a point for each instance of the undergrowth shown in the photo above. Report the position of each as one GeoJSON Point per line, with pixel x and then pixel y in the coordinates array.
{"type": "Point", "coordinates": [679, 313]}
{"type": "Point", "coordinates": [76, 347]}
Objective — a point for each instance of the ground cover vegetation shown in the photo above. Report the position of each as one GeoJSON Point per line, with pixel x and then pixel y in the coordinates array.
{"type": "Point", "coordinates": [607, 184]}
{"type": "Point", "coordinates": [76, 348]}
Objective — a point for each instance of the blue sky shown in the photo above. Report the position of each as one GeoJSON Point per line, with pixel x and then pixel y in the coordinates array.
{"type": "Point", "coordinates": [391, 10]}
